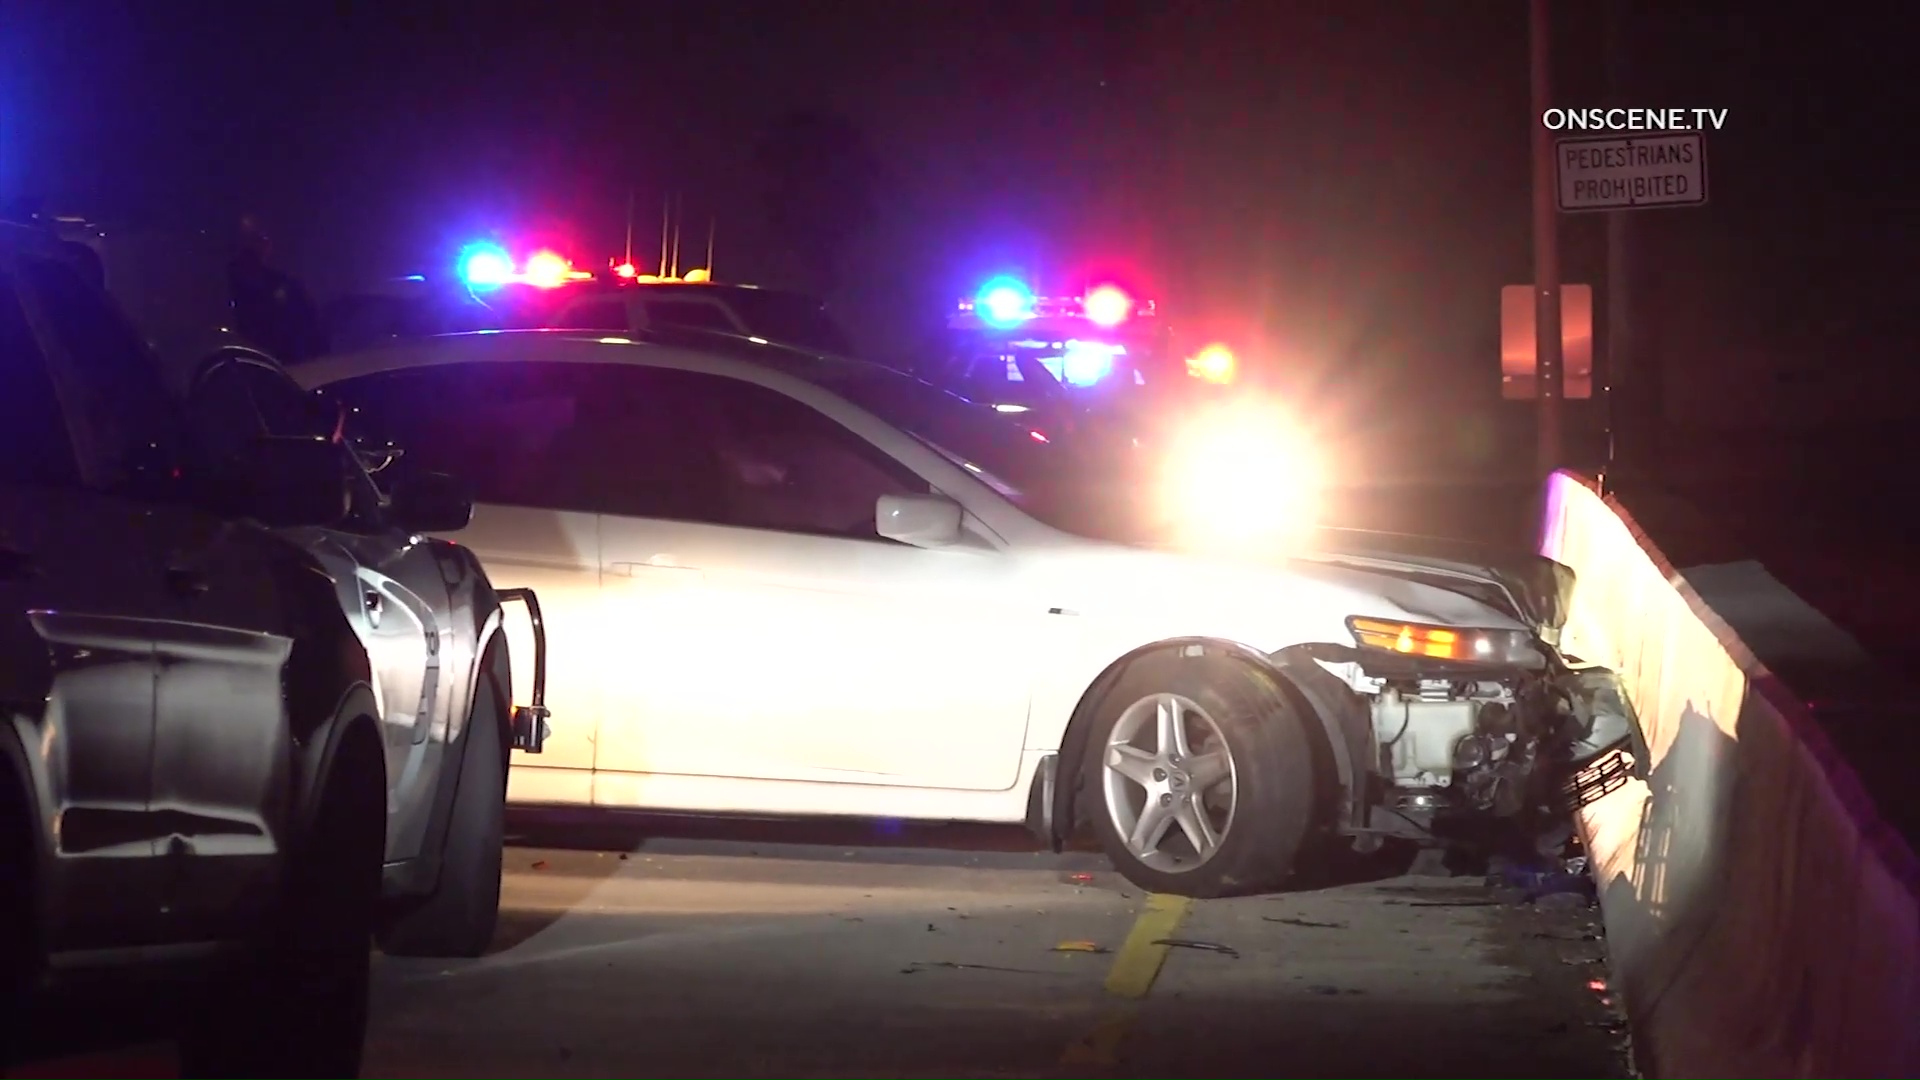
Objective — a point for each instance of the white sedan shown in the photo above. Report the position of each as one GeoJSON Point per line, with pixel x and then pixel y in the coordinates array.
{"type": "Point", "coordinates": [783, 584]}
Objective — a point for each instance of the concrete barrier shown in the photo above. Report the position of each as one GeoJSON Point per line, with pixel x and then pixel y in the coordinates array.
{"type": "Point", "coordinates": [1761, 918]}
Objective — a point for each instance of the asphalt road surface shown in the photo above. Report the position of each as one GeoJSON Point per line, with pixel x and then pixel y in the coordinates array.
{"type": "Point", "coordinates": [761, 949]}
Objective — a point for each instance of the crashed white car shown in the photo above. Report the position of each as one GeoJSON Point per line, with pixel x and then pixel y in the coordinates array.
{"type": "Point", "coordinates": [782, 584]}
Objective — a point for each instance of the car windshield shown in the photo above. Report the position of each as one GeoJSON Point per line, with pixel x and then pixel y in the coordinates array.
{"type": "Point", "coordinates": [1064, 480]}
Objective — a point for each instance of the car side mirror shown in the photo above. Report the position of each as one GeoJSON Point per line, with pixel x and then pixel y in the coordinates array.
{"type": "Point", "coordinates": [291, 482]}
{"type": "Point", "coordinates": [924, 521]}
{"type": "Point", "coordinates": [431, 503]}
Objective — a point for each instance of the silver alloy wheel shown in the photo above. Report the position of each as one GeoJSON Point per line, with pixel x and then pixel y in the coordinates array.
{"type": "Point", "coordinates": [1170, 782]}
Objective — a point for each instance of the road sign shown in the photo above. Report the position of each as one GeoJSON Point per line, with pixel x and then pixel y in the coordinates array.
{"type": "Point", "coordinates": [1631, 174]}
{"type": "Point", "coordinates": [1519, 365]}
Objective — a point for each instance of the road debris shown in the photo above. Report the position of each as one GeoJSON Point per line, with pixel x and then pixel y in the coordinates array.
{"type": "Point", "coordinates": [919, 966]}
{"type": "Point", "coordinates": [1081, 946]}
{"type": "Point", "coordinates": [1199, 946]}
{"type": "Point", "coordinates": [1309, 923]}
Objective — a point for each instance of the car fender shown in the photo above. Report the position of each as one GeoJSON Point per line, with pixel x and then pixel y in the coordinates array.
{"type": "Point", "coordinates": [474, 607]}
{"type": "Point", "coordinates": [1332, 744]}
{"type": "Point", "coordinates": [326, 685]}
{"type": "Point", "coordinates": [313, 767]}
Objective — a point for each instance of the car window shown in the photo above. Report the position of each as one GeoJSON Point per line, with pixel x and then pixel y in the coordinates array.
{"type": "Point", "coordinates": [512, 430]}
{"type": "Point", "coordinates": [792, 319]}
{"type": "Point", "coordinates": [692, 314]}
{"type": "Point", "coordinates": [34, 446]}
{"type": "Point", "coordinates": [236, 401]}
{"type": "Point", "coordinates": [736, 453]}
{"type": "Point", "coordinates": [127, 417]}
{"type": "Point", "coordinates": [629, 440]}
{"type": "Point", "coordinates": [595, 315]}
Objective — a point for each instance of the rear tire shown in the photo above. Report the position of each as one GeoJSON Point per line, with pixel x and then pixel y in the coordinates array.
{"type": "Point", "coordinates": [459, 919]}
{"type": "Point", "coordinates": [298, 1005]}
{"type": "Point", "coordinates": [1225, 706]}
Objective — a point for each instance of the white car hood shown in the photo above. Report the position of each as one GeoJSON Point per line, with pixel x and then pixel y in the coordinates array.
{"type": "Point", "coordinates": [1267, 605]}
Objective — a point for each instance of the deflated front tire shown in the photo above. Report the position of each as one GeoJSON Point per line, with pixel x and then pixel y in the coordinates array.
{"type": "Point", "coordinates": [1199, 777]}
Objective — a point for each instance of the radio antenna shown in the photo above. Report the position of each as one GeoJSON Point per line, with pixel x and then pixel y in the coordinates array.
{"type": "Point", "coordinates": [713, 224]}
{"type": "Point", "coordinates": [666, 216]}
{"type": "Point", "coordinates": [627, 259]}
{"type": "Point", "coordinates": [679, 201]}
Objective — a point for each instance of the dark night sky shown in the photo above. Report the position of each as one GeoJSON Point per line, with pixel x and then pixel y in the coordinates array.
{"type": "Point", "coordinates": [1345, 177]}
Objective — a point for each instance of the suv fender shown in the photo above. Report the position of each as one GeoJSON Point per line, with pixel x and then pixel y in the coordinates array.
{"type": "Point", "coordinates": [472, 596]}
{"type": "Point", "coordinates": [314, 756]}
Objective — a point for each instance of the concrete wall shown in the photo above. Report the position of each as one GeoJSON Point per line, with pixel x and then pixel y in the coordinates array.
{"type": "Point", "coordinates": [1761, 921]}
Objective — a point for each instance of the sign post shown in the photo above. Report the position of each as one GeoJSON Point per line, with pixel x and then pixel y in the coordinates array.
{"type": "Point", "coordinates": [1616, 176]}
{"type": "Point", "coordinates": [1546, 241]}
{"type": "Point", "coordinates": [1519, 343]}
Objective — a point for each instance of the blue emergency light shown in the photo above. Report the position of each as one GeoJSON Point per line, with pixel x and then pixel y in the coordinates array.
{"type": "Point", "coordinates": [1004, 302]}
{"type": "Point", "coordinates": [485, 266]}
{"type": "Point", "coordinates": [1085, 363]}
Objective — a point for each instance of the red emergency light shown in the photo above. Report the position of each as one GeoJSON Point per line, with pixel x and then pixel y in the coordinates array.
{"type": "Point", "coordinates": [1107, 306]}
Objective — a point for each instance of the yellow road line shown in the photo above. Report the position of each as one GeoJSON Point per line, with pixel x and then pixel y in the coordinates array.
{"type": "Point", "coordinates": [1138, 962]}
{"type": "Point", "coordinates": [1135, 966]}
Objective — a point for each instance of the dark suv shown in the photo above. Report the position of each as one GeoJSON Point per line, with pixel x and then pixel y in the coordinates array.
{"type": "Point", "coordinates": [191, 767]}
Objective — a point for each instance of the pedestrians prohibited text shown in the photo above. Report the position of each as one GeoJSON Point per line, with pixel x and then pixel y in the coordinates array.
{"type": "Point", "coordinates": [1628, 174]}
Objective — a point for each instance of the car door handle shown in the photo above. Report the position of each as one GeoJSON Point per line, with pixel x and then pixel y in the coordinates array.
{"type": "Point", "coordinates": [373, 602]}
{"type": "Point", "coordinates": [16, 565]}
{"type": "Point", "coordinates": [186, 581]}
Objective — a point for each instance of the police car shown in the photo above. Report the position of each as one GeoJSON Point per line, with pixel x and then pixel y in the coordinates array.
{"type": "Point", "coordinates": [493, 289]}
{"type": "Point", "coordinates": [1100, 362]}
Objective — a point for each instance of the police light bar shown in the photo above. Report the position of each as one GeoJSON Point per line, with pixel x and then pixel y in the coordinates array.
{"type": "Point", "coordinates": [488, 266]}
{"type": "Point", "coordinates": [1106, 308]}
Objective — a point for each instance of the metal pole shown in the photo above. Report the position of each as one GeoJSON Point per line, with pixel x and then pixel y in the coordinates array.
{"type": "Point", "coordinates": [666, 222]}
{"type": "Point", "coordinates": [627, 257]}
{"type": "Point", "coordinates": [1546, 247]}
{"type": "Point", "coordinates": [679, 204]}
{"type": "Point", "coordinates": [1628, 423]}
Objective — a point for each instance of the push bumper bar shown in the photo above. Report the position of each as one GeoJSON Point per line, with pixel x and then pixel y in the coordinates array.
{"type": "Point", "coordinates": [530, 728]}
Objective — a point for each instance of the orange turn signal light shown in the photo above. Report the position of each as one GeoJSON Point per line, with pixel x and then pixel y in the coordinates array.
{"type": "Point", "coordinates": [1411, 639]}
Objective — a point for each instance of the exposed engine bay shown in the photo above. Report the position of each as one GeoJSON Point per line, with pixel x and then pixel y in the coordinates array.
{"type": "Point", "coordinates": [1501, 741]}
{"type": "Point", "coordinates": [1485, 763]}
{"type": "Point", "coordinates": [1497, 745]}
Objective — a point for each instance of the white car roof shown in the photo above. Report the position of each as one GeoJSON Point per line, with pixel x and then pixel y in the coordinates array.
{"type": "Point", "coordinates": [782, 367]}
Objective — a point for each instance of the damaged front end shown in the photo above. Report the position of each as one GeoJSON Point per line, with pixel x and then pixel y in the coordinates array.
{"type": "Point", "coordinates": [1489, 736]}
{"type": "Point", "coordinates": [1511, 745]}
